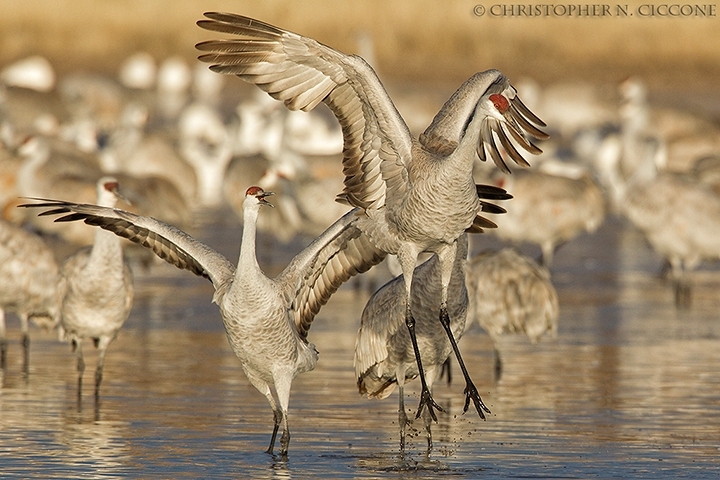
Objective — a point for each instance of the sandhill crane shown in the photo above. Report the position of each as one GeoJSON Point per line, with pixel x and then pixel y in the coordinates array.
{"type": "Point", "coordinates": [706, 170]}
{"type": "Point", "coordinates": [416, 196]}
{"type": "Point", "coordinates": [510, 293]}
{"type": "Point", "coordinates": [58, 170]}
{"type": "Point", "coordinates": [131, 149]}
{"type": "Point", "coordinates": [384, 354]}
{"type": "Point", "coordinates": [96, 289]}
{"type": "Point", "coordinates": [549, 210]}
{"type": "Point", "coordinates": [266, 319]}
{"type": "Point", "coordinates": [680, 219]}
{"type": "Point", "coordinates": [687, 136]}
{"type": "Point", "coordinates": [28, 279]}
{"type": "Point", "coordinates": [679, 216]}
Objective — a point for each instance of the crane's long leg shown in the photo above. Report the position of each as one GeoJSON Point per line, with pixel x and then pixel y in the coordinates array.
{"type": "Point", "coordinates": [282, 387]}
{"type": "Point", "coordinates": [470, 389]}
{"type": "Point", "coordinates": [25, 342]}
{"type": "Point", "coordinates": [446, 370]}
{"type": "Point", "coordinates": [77, 348]}
{"type": "Point", "coordinates": [402, 415]}
{"type": "Point", "coordinates": [432, 372]}
{"type": "Point", "coordinates": [497, 361]}
{"type": "Point", "coordinates": [446, 258]}
{"type": "Point", "coordinates": [3, 342]}
{"type": "Point", "coordinates": [102, 345]}
{"type": "Point", "coordinates": [426, 399]}
{"type": "Point", "coordinates": [407, 259]}
{"type": "Point", "coordinates": [681, 284]}
{"type": "Point", "coordinates": [264, 388]}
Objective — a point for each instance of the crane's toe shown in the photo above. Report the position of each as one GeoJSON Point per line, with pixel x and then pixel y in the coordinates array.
{"type": "Point", "coordinates": [427, 400]}
{"type": "Point", "coordinates": [471, 393]}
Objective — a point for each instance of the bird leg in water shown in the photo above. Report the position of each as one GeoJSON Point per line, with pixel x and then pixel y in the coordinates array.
{"type": "Point", "coordinates": [402, 417]}
{"type": "Point", "coordinates": [470, 390]}
{"type": "Point", "coordinates": [428, 423]}
{"type": "Point", "coordinates": [285, 438]}
{"type": "Point", "coordinates": [101, 344]}
{"type": "Point", "coordinates": [498, 366]}
{"type": "Point", "coordinates": [446, 370]}
{"type": "Point", "coordinates": [26, 352]}
{"type": "Point", "coordinates": [25, 342]}
{"type": "Point", "coordinates": [426, 398]}
{"type": "Point", "coordinates": [277, 415]}
{"type": "Point", "coordinates": [77, 348]}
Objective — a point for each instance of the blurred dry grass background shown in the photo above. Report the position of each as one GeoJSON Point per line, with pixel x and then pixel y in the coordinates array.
{"type": "Point", "coordinates": [419, 41]}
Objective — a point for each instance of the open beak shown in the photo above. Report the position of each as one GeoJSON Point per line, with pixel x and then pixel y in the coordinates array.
{"type": "Point", "coordinates": [261, 198]}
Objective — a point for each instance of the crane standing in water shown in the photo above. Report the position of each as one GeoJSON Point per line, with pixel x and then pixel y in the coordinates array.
{"type": "Point", "coordinates": [28, 282]}
{"type": "Point", "coordinates": [96, 291]}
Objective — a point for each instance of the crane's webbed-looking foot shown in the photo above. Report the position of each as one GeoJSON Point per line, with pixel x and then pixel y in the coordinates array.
{"type": "Point", "coordinates": [472, 393]}
{"type": "Point", "coordinates": [426, 399]}
{"type": "Point", "coordinates": [470, 389]}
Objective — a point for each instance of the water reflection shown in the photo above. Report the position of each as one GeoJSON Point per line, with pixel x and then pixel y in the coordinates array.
{"type": "Point", "coordinates": [629, 388]}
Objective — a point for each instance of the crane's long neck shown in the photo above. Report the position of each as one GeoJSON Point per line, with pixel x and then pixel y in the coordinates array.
{"type": "Point", "coordinates": [248, 259]}
{"type": "Point", "coordinates": [465, 154]}
{"type": "Point", "coordinates": [106, 253]}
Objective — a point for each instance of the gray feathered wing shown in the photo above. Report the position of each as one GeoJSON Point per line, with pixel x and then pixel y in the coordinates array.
{"type": "Point", "coordinates": [169, 243]}
{"type": "Point", "coordinates": [318, 271]}
{"type": "Point", "coordinates": [302, 73]}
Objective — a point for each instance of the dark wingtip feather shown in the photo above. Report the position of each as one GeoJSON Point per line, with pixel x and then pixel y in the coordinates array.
{"type": "Point", "coordinates": [55, 211]}
{"type": "Point", "coordinates": [527, 112]}
{"type": "Point", "coordinates": [480, 224]}
{"type": "Point", "coordinates": [491, 192]}
{"type": "Point", "coordinates": [71, 218]}
{"type": "Point", "coordinates": [492, 208]}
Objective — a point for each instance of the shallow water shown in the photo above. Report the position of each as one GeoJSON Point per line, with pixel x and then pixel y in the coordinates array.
{"type": "Point", "coordinates": [629, 388]}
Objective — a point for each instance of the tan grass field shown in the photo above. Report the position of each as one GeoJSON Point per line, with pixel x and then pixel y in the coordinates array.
{"type": "Point", "coordinates": [416, 41]}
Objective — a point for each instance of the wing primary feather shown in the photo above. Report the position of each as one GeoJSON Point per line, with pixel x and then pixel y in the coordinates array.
{"type": "Point", "coordinates": [508, 146]}
{"type": "Point", "coordinates": [491, 192]}
{"type": "Point", "coordinates": [524, 110]}
{"type": "Point", "coordinates": [526, 125]}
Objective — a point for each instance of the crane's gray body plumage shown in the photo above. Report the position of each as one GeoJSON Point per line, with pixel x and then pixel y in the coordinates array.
{"type": "Point", "coordinates": [681, 220]}
{"type": "Point", "coordinates": [548, 210]}
{"type": "Point", "coordinates": [96, 291]}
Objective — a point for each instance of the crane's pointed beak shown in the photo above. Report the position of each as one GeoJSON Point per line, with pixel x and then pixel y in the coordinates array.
{"type": "Point", "coordinates": [261, 198]}
{"type": "Point", "coordinates": [116, 191]}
